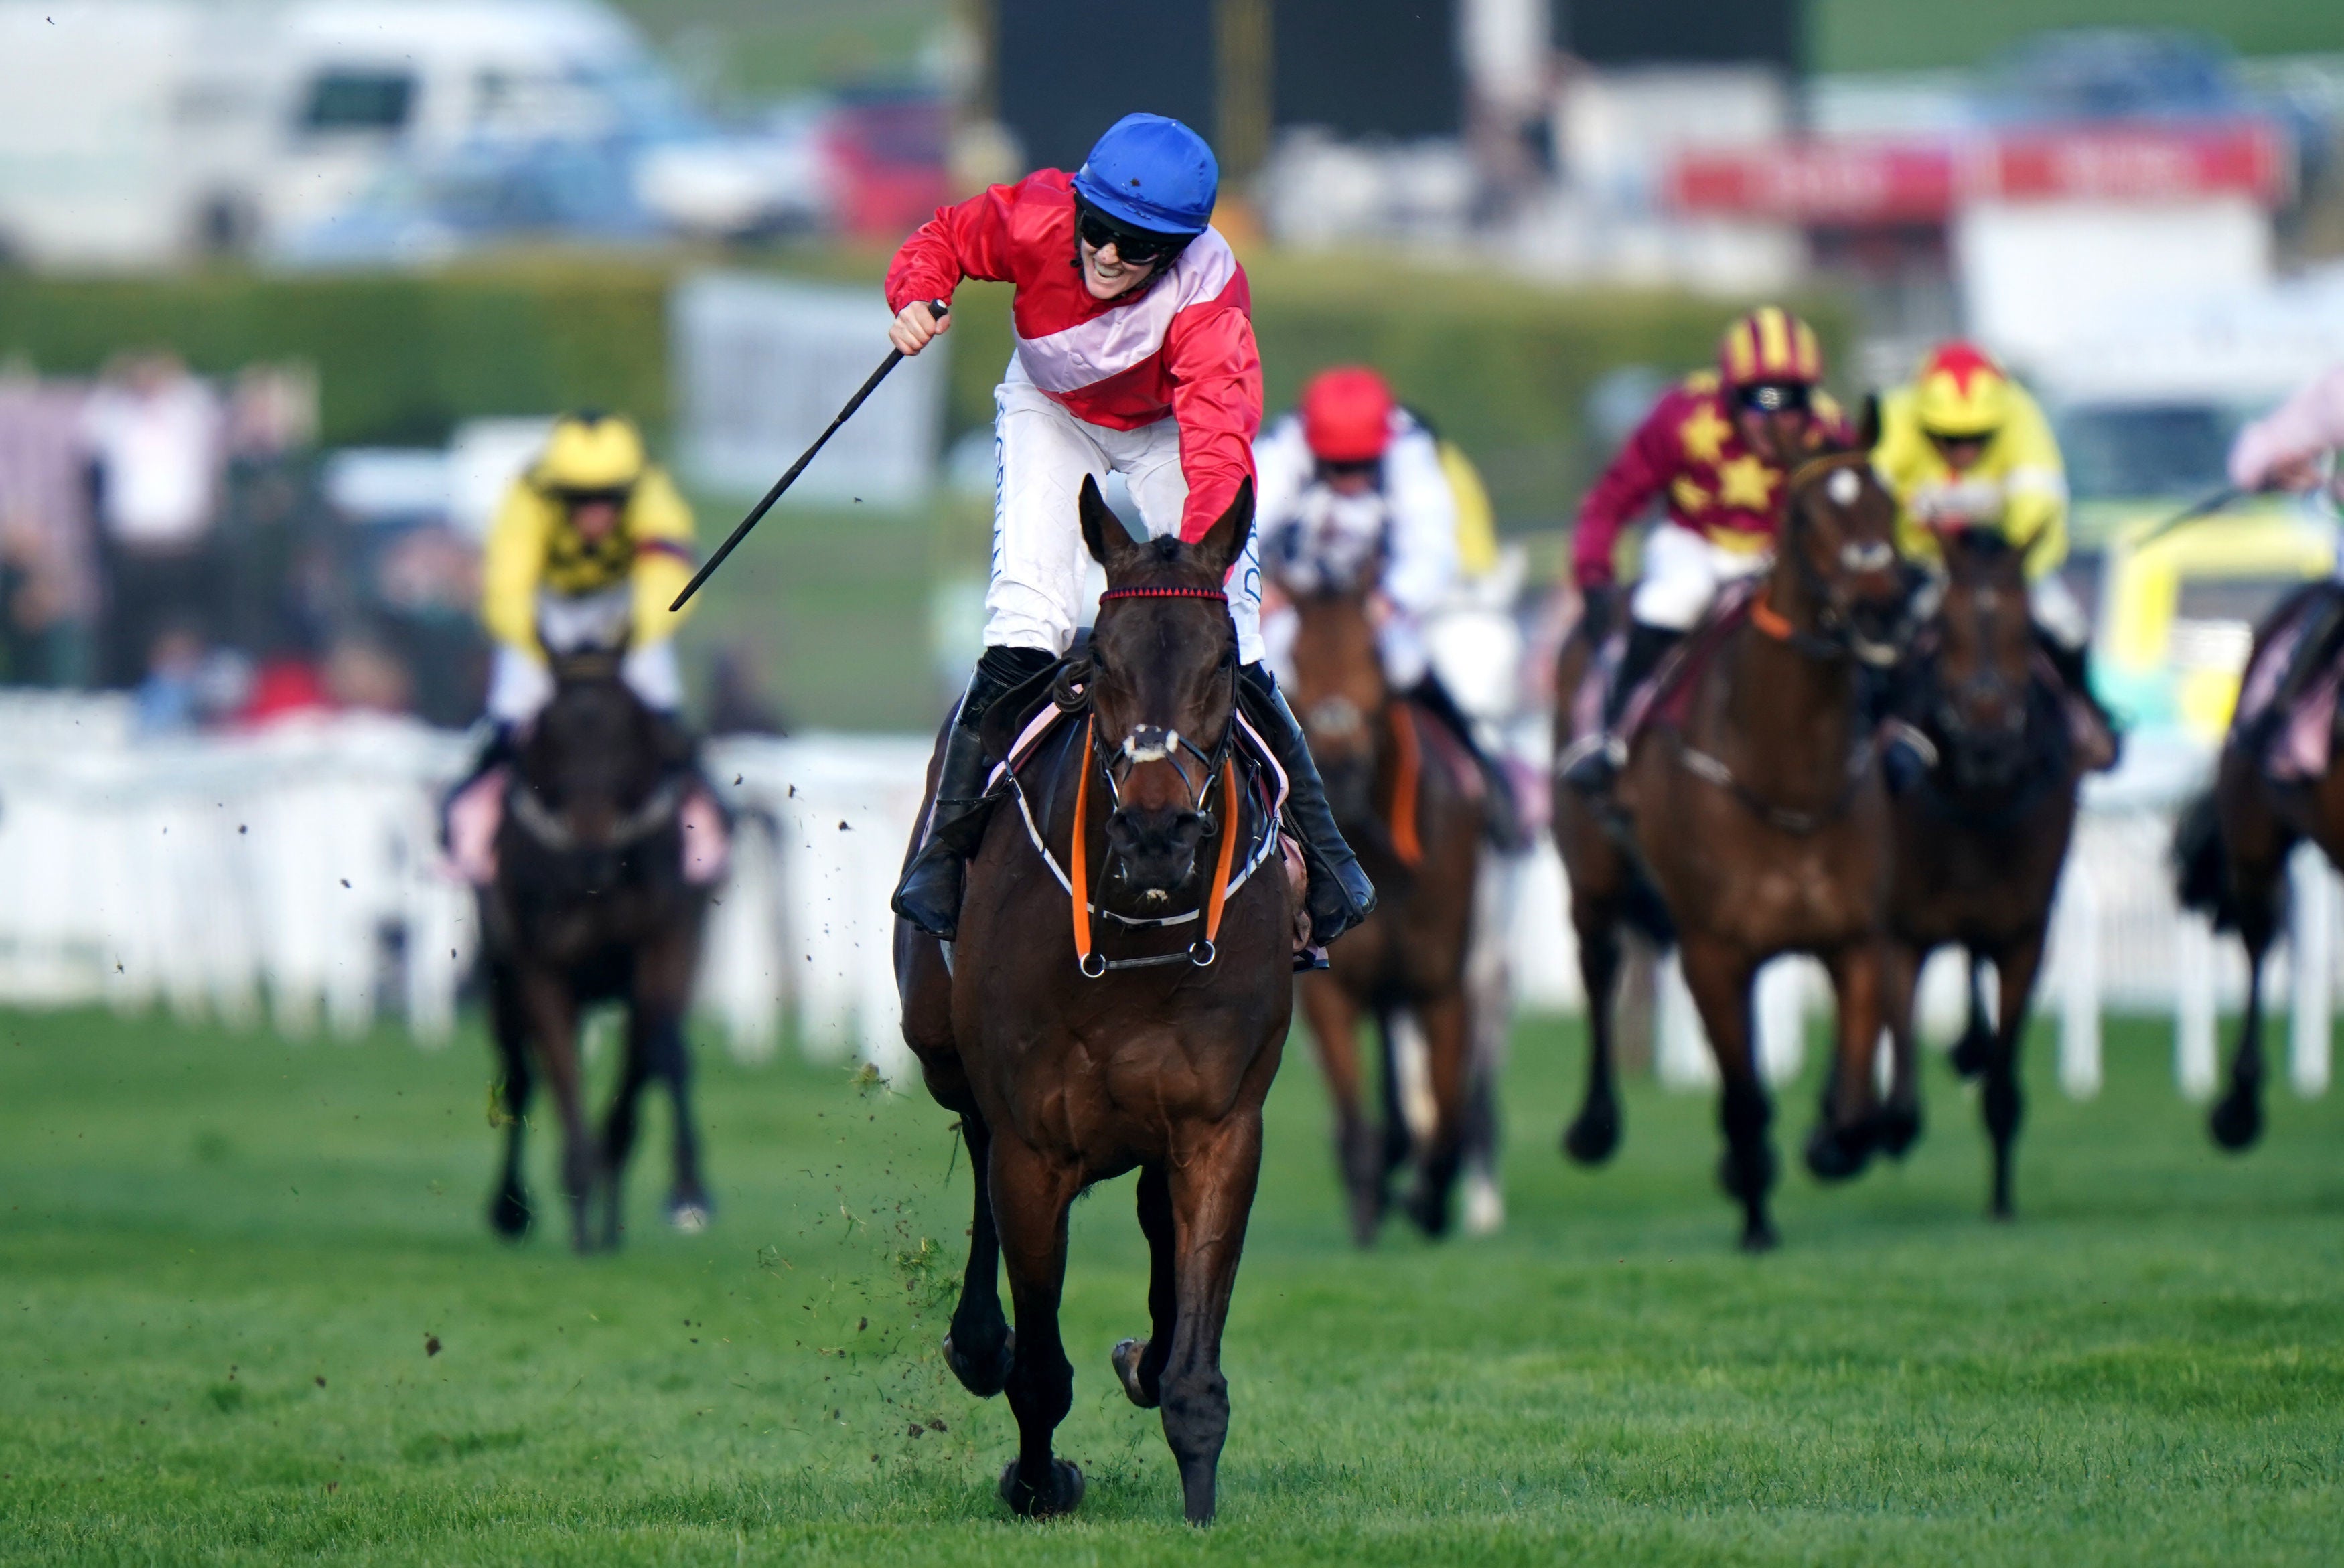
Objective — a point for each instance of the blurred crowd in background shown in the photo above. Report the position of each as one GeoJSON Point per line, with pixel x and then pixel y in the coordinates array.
{"type": "Point", "coordinates": [393, 238]}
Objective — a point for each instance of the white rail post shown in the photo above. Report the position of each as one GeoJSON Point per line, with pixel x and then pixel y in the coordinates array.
{"type": "Point", "coordinates": [1781, 1019]}
{"type": "Point", "coordinates": [2193, 1006]}
{"type": "Point", "coordinates": [2311, 940]}
{"type": "Point", "coordinates": [2076, 938]}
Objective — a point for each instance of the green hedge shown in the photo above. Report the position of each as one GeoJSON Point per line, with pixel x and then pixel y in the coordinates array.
{"type": "Point", "coordinates": [1503, 367]}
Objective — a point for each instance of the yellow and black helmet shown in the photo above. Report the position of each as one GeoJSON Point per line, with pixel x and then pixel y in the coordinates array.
{"type": "Point", "coordinates": [589, 454]}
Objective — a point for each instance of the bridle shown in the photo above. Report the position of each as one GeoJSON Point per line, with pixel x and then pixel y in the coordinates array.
{"type": "Point", "coordinates": [1150, 743]}
{"type": "Point", "coordinates": [1836, 636]}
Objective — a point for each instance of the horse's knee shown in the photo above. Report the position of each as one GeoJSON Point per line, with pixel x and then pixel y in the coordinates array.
{"type": "Point", "coordinates": [2003, 1106]}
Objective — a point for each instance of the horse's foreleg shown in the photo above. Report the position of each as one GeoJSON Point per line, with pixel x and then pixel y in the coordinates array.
{"type": "Point", "coordinates": [1719, 977]}
{"type": "Point", "coordinates": [1448, 1045]}
{"type": "Point", "coordinates": [1140, 1363]}
{"type": "Point", "coordinates": [1899, 1121]}
{"type": "Point", "coordinates": [688, 1205]}
{"type": "Point", "coordinates": [1843, 1141]}
{"type": "Point", "coordinates": [508, 1212]}
{"type": "Point", "coordinates": [553, 1020]}
{"type": "Point", "coordinates": [1593, 1135]}
{"type": "Point", "coordinates": [2003, 1105]}
{"type": "Point", "coordinates": [979, 1344]}
{"type": "Point", "coordinates": [1030, 1194]}
{"type": "Point", "coordinates": [2238, 1118]}
{"type": "Point", "coordinates": [1334, 1019]}
{"type": "Point", "coordinates": [1976, 1043]}
{"type": "Point", "coordinates": [619, 1131]}
{"type": "Point", "coordinates": [1212, 1189]}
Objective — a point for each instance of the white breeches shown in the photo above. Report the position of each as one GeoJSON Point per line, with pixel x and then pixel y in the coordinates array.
{"type": "Point", "coordinates": [1682, 572]}
{"type": "Point", "coordinates": [2057, 613]}
{"type": "Point", "coordinates": [520, 683]}
{"type": "Point", "coordinates": [1040, 454]}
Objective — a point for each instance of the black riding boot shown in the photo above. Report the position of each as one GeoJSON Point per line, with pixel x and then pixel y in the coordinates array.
{"type": "Point", "coordinates": [929, 894]}
{"type": "Point", "coordinates": [1502, 820]}
{"type": "Point", "coordinates": [2070, 664]}
{"type": "Point", "coordinates": [1339, 895]}
{"type": "Point", "coordinates": [1597, 760]}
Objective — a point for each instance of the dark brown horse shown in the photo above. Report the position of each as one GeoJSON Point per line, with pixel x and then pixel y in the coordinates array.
{"type": "Point", "coordinates": [2230, 853]}
{"type": "Point", "coordinates": [1760, 820]}
{"type": "Point", "coordinates": [1418, 833]}
{"type": "Point", "coordinates": [1981, 838]}
{"type": "Point", "coordinates": [1081, 1037]}
{"type": "Point", "coordinates": [589, 904]}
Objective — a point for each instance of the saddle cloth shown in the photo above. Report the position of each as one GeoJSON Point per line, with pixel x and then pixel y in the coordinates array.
{"type": "Point", "coordinates": [1666, 695]}
{"type": "Point", "coordinates": [2303, 738]}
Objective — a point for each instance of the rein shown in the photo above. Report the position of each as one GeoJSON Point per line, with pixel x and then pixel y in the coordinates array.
{"type": "Point", "coordinates": [550, 831]}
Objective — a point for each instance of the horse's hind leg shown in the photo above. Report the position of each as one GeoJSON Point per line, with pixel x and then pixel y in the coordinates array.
{"type": "Point", "coordinates": [979, 1344]}
{"type": "Point", "coordinates": [508, 1212]}
{"type": "Point", "coordinates": [1595, 1132]}
{"type": "Point", "coordinates": [1448, 1040]}
{"type": "Point", "coordinates": [619, 1132]}
{"type": "Point", "coordinates": [1719, 977]}
{"type": "Point", "coordinates": [1843, 1141]}
{"type": "Point", "coordinates": [1212, 1189]}
{"type": "Point", "coordinates": [553, 1017]}
{"type": "Point", "coordinates": [1030, 1195]}
{"type": "Point", "coordinates": [1140, 1363]}
{"type": "Point", "coordinates": [1899, 1122]}
{"type": "Point", "coordinates": [2255, 845]}
{"type": "Point", "coordinates": [2003, 1105]}
{"type": "Point", "coordinates": [1334, 1019]}
{"type": "Point", "coordinates": [2236, 1120]}
{"type": "Point", "coordinates": [1976, 1044]}
{"type": "Point", "coordinates": [688, 1204]}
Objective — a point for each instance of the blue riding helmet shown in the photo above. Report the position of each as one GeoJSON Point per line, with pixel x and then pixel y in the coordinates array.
{"type": "Point", "coordinates": [1153, 173]}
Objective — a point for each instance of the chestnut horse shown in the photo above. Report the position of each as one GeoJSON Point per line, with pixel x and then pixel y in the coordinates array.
{"type": "Point", "coordinates": [590, 903]}
{"type": "Point", "coordinates": [1760, 821]}
{"type": "Point", "coordinates": [1981, 838]}
{"type": "Point", "coordinates": [1418, 832]}
{"type": "Point", "coordinates": [2230, 852]}
{"type": "Point", "coordinates": [1082, 1036]}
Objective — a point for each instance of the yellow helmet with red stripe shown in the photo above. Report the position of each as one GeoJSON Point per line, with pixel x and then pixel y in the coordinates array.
{"type": "Point", "coordinates": [1962, 393]}
{"type": "Point", "coordinates": [1770, 344]}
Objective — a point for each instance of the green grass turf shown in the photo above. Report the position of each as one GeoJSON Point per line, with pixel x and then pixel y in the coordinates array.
{"type": "Point", "coordinates": [224, 1260]}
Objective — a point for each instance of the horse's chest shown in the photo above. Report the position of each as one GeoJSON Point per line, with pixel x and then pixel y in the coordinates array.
{"type": "Point", "coordinates": [1807, 892]}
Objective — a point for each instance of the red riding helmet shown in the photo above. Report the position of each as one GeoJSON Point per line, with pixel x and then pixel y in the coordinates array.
{"type": "Point", "coordinates": [1347, 415]}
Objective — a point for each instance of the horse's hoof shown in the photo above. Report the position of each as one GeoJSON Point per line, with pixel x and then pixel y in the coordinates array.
{"type": "Point", "coordinates": [1896, 1128]}
{"type": "Point", "coordinates": [1759, 1237]}
{"type": "Point", "coordinates": [2237, 1122]}
{"type": "Point", "coordinates": [1836, 1154]}
{"type": "Point", "coordinates": [689, 1213]}
{"type": "Point", "coordinates": [1065, 1495]}
{"type": "Point", "coordinates": [983, 1381]}
{"type": "Point", "coordinates": [1485, 1206]}
{"type": "Point", "coordinates": [1591, 1139]}
{"type": "Point", "coordinates": [1970, 1052]}
{"type": "Point", "coordinates": [1126, 1357]}
{"type": "Point", "coordinates": [509, 1215]}
{"type": "Point", "coordinates": [1430, 1209]}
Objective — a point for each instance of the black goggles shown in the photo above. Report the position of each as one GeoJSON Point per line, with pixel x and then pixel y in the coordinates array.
{"type": "Point", "coordinates": [1348, 467]}
{"type": "Point", "coordinates": [1136, 245]}
{"type": "Point", "coordinates": [1773, 398]}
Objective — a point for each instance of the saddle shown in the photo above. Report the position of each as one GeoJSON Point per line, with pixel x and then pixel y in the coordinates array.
{"type": "Point", "coordinates": [1666, 695]}
{"type": "Point", "coordinates": [2297, 743]}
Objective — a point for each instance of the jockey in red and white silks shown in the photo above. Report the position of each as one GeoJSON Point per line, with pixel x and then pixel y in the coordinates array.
{"type": "Point", "coordinates": [1134, 354]}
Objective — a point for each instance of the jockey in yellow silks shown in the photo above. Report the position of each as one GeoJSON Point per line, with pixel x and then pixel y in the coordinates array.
{"type": "Point", "coordinates": [1965, 447]}
{"type": "Point", "coordinates": [592, 542]}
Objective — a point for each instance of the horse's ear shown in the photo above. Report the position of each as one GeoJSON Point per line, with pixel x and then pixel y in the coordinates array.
{"type": "Point", "coordinates": [1224, 541]}
{"type": "Point", "coordinates": [1102, 532]}
{"type": "Point", "coordinates": [1867, 430]}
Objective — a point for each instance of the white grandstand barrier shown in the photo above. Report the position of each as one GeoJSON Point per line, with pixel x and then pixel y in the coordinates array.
{"type": "Point", "coordinates": [2193, 1001]}
{"type": "Point", "coordinates": [2311, 936]}
{"type": "Point", "coordinates": [2076, 934]}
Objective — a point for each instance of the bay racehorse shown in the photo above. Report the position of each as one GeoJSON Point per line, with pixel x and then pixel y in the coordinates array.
{"type": "Point", "coordinates": [1398, 793]}
{"type": "Point", "coordinates": [1752, 805]}
{"type": "Point", "coordinates": [1087, 1024]}
{"type": "Point", "coordinates": [1982, 836]}
{"type": "Point", "coordinates": [590, 902]}
{"type": "Point", "coordinates": [2232, 843]}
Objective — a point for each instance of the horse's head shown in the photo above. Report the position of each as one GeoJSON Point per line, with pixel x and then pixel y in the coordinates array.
{"type": "Point", "coordinates": [1338, 687]}
{"type": "Point", "coordinates": [595, 766]}
{"type": "Point", "coordinates": [1838, 560]}
{"type": "Point", "coordinates": [1985, 650]}
{"type": "Point", "coordinates": [1164, 687]}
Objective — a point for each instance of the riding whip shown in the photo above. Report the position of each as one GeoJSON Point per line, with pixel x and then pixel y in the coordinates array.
{"type": "Point", "coordinates": [2205, 507]}
{"type": "Point", "coordinates": [940, 308]}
